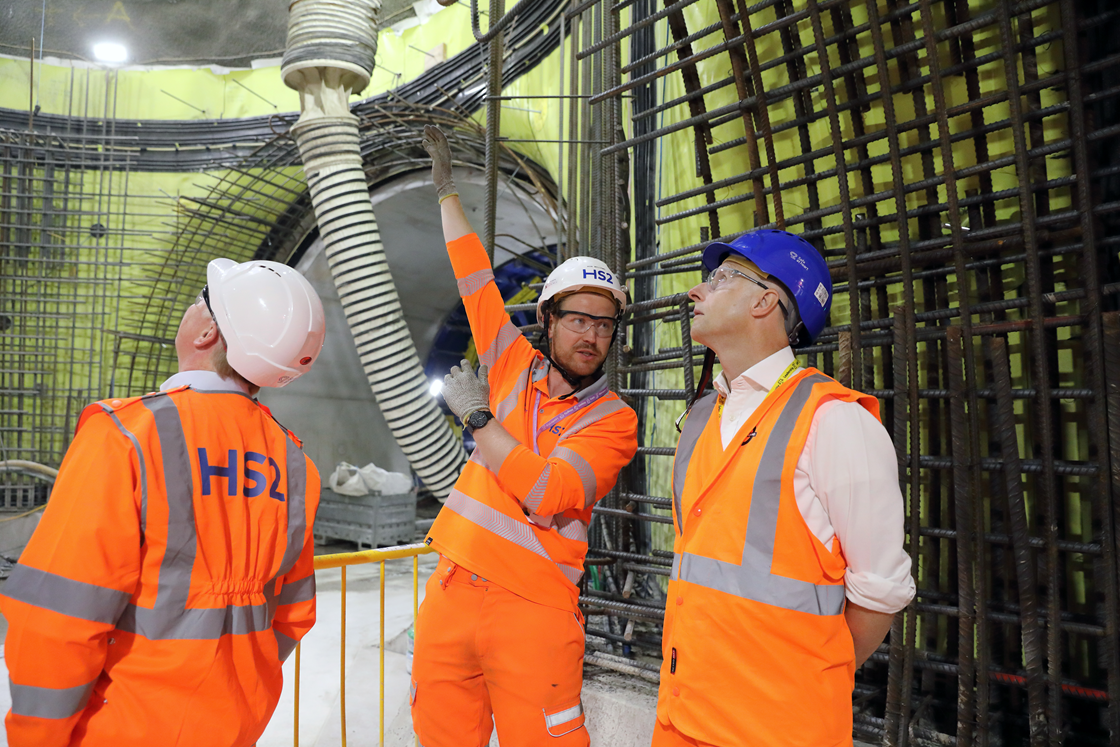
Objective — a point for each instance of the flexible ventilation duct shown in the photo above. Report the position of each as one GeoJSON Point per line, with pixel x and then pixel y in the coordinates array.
{"type": "Point", "coordinates": [330, 54]}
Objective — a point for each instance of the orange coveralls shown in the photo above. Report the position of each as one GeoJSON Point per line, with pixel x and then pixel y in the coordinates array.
{"type": "Point", "coordinates": [500, 632]}
{"type": "Point", "coordinates": [169, 577]}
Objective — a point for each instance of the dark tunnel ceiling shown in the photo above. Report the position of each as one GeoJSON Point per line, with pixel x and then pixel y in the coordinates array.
{"type": "Point", "coordinates": [166, 32]}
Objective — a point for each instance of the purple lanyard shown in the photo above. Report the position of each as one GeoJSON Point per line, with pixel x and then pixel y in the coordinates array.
{"type": "Point", "coordinates": [573, 409]}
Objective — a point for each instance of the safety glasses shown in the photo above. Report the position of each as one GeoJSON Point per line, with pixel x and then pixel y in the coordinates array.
{"type": "Point", "coordinates": [204, 296]}
{"type": "Point", "coordinates": [722, 274]}
{"type": "Point", "coordinates": [579, 322]}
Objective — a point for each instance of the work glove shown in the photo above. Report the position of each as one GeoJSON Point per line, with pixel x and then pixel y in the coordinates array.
{"type": "Point", "coordinates": [435, 142]}
{"type": "Point", "coordinates": [464, 392]}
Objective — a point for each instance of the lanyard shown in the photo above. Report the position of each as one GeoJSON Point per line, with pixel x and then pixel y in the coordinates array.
{"type": "Point", "coordinates": [573, 409]}
{"type": "Point", "coordinates": [791, 369]}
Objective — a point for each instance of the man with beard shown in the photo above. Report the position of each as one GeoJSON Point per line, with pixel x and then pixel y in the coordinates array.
{"type": "Point", "coordinates": [500, 635]}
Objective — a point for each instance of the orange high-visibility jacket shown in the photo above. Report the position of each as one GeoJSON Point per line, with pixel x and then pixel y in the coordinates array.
{"type": "Point", "coordinates": [169, 577]}
{"type": "Point", "coordinates": [757, 650]}
{"type": "Point", "coordinates": [485, 524]}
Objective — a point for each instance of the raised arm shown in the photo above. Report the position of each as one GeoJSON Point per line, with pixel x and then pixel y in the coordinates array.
{"type": "Point", "coordinates": [455, 223]}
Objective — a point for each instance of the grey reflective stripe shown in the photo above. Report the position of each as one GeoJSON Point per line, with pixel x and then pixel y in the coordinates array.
{"type": "Point", "coordinates": [170, 618]}
{"type": "Point", "coordinates": [753, 579]}
{"type": "Point", "coordinates": [284, 645]}
{"type": "Point", "coordinates": [294, 592]}
{"type": "Point", "coordinates": [582, 468]}
{"type": "Point", "coordinates": [597, 386]}
{"type": "Point", "coordinates": [572, 574]}
{"type": "Point", "coordinates": [505, 337]}
{"type": "Point", "coordinates": [195, 624]}
{"type": "Point", "coordinates": [477, 458]}
{"type": "Point", "coordinates": [140, 458]}
{"type": "Point", "coordinates": [49, 702]}
{"type": "Point", "coordinates": [536, 495]}
{"type": "Point", "coordinates": [65, 596]}
{"type": "Point", "coordinates": [594, 415]}
{"type": "Point", "coordinates": [178, 559]}
{"type": "Point", "coordinates": [571, 528]}
{"type": "Point", "coordinates": [694, 425]}
{"type": "Point", "coordinates": [297, 510]}
{"type": "Point", "coordinates": [474, 282]}
{"type": "Point", "coordinates": [518, 532]}
{"type": "Point", "coordinates": [509, 404]}
{"type": "Point", "coordinates": [563, 717]}
{"type": "Point", "coordinates": [540, 368]}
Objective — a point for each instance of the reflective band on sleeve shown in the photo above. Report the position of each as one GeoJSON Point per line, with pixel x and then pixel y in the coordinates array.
{"type": "Point", "coordinates": [297, 509]}
{"type": "Point", "coordinates": [49, 702]}
{"type": "Point", "coordinates": [302, 590]}
{"type": "Point", "coordinates": [572, 574]}
{"type": "Point", "coordinates": [474, 282]}
{"type": "Point", "coordinates": [582, 468]}
{"type": "Point", "coordinates": [509, 404]}
{"type": "Point", "coordinates": [284, 645]}
{"type": "Point", "coordinates": [605, 408]}
{"type": "Point", "coordinates": [553, 720]}
{"type": "Point", "coordinates": [694, 425]}
{"type": "Point", "coordinates": [518, 532]}
{"type": "Point", "coordinates": [477, 458]}
{"type": "Point", "coordinates": [571, 528]}
{"type": "Point", "coordinates": [505, 337]}
{"type": "Point", "coordinates": [143, 465]}
{"type": "Point", "coordinates": [65, 596]}
{"type": "Point", "coordinates": [536, 495]}
{"type": "Point", "coordinates": [752, 579]}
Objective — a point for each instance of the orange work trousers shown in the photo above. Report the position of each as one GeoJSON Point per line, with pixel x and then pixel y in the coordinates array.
{"type": "Point", "coordinates": [486, 656]}
{"type": "Point", "coordinates": [667, 736]}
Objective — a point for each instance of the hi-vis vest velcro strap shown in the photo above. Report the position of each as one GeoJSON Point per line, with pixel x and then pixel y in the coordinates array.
{"type": "Point", "coordinates": [508, 528]}
{"type": "Point", "coordinates": [752, 578]}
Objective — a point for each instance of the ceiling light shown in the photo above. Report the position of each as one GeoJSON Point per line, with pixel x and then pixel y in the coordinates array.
{"type": "Point", "coordinates": [436, 387]}
{"type": "Point", "coordinates": [110, 52]}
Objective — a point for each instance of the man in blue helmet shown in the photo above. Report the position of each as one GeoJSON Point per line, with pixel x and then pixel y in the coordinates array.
{"type": "Point", "coordinates": [788, 553]}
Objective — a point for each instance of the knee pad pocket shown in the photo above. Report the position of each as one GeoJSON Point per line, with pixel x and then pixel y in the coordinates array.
{"type": "Point", "coordinates": [564, 720]}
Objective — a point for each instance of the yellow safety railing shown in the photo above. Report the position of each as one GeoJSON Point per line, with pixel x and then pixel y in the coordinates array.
{"type": "Point", "coordinates": [341, 560]}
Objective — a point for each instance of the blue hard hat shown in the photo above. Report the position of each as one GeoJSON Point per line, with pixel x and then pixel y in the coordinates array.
{"type": "Point", "coordinates": [792, 260]}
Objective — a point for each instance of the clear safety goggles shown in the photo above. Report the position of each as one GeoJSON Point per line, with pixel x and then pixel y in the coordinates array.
{"type": "Point", "coordinates": [579, 322]}
{"type": "Point", "coordinates": [722, 274]}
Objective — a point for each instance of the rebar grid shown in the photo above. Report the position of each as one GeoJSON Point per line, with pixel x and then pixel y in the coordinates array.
{"type": "Point", "coordinates": [68, 230]}
{"type": "Point", "coordinates": [953, 162]}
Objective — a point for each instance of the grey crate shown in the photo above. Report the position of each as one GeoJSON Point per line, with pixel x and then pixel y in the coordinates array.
{"type": "Point", "coordinates": [369, 520]}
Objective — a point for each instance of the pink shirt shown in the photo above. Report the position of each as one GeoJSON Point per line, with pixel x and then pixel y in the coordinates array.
{"type": "Point", "coordinates": [846, 485]}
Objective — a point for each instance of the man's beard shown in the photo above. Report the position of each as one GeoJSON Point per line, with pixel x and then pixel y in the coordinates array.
{"type": "Point", "coordinates": [577, 366]}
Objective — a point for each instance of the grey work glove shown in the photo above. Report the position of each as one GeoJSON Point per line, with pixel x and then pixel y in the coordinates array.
{"type": "Point", "coordinates": [466, 393]}
{"type": "Point", "coordinates": [435, 142]}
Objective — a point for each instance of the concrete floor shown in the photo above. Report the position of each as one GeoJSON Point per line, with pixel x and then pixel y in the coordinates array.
{"type": "Point", "coordinates": [620, 709]}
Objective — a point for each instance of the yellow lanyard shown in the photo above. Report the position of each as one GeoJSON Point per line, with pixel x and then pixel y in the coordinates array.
{"type": "Point", "coordinates": [791, 369]}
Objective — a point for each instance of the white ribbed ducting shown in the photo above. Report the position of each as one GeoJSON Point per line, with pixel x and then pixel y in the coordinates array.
{"type": "Point", "coordinates": [330, 53]}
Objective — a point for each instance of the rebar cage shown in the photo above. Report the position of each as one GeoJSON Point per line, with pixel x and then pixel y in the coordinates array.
{"type": "Point", "coordinates": [953, 161]}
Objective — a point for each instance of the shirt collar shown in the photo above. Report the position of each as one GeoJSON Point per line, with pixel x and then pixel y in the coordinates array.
{"type": "Point", "coordinates": [204, 381]}
{"type": "Point", "coordinates": [760, 377]}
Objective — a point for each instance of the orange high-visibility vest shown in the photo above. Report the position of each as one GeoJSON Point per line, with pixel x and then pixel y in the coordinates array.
{"type": "Point", "coordinates": [169, 577]}
{"type": "Point", "coordinates": [590, 436]}
{"type": "Point", "coordinates": [757, 650]}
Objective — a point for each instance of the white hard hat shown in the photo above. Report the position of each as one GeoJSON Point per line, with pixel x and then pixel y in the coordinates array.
{"type": "Point", "coordinates": [271, 318]}
{"type": "Point", "coordinates": [581, 273]}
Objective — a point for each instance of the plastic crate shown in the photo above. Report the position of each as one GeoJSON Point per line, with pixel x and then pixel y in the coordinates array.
{"type": "Point", "coordinates": [368, 520]}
